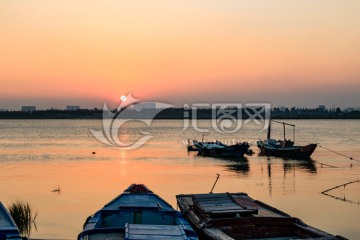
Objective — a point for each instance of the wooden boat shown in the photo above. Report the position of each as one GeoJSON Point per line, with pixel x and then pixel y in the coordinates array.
{"type": "Point", "coordinates": [238, 216]}
{"type": "Point", "coordinates": [218, 149]}
{"type": "Point", "coordinates": [191, 147]}
{"type": "Point", "coordinates": [285, 148]}
{"type": "Point", "coordinates": [137, 213]}
{"type": "Point", "coordinates": [8, 228]}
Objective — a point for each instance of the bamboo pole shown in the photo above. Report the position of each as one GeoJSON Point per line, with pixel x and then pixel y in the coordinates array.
{"type": "Point", "coordinates": [326, 164]}
{"type": "Point", "coordinates": [342, 185]}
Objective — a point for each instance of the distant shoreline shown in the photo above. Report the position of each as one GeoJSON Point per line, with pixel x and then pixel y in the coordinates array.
{"type": "Point", "coordinates": [173, 113]}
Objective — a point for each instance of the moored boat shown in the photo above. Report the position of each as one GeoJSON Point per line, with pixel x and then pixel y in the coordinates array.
{"type": "Point", "coordinates": [191, 147]}
{"type": "Point", "coordinates": [218, 149]}
{"type": "Point", "coordinates": [137, 213]}
{"type": "Point", "coordinates": [8, 227]}
{"type": "Point", "coordinates": [238, 216]}
{"type": "Point", "coordinates": [284, 148]}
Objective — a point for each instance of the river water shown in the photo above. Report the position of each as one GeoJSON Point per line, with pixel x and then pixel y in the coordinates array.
{"type": "Point", "coordinates": [38, 156]}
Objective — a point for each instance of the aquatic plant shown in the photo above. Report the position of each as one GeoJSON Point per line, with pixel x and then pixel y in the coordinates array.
{"type": "Point", "coordinates": [24, 216]}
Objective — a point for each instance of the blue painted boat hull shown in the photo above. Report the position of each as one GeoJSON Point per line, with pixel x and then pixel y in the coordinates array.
{"type": "Point", "coordinates": [8, 227]}
{"type": "Point", "coordinates": [137, 213]}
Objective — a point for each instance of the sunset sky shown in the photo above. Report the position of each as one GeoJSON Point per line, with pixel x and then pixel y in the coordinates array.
{"type": "Point", "coordinates": [84, 52]}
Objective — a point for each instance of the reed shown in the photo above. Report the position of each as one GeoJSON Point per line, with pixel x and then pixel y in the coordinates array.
{"type": "Point", "coordinates": [24, 216]}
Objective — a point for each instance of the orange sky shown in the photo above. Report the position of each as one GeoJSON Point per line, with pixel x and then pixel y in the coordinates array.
{"type": "Point", "coordinates": [293, 53]}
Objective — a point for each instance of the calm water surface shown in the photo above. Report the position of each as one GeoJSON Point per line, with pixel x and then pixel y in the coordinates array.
{"type": "Point", "coordinates": [36, 156]}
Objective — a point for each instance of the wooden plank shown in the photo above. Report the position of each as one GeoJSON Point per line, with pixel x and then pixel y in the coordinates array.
{"type": "Point", "coordinates": [148, 237]}
{"type": "Point", "coordinates": [144, 231]}
{"type": "Point", "coordinates": [217, 234]}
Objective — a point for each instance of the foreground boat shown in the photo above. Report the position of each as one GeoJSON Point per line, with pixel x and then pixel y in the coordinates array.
{"type": "Point", "coordinates": [218, 149]}
{"type": "Point", "coordinates": [8, 228]}
{"type": "Point", "coordinates": [137, 213]}
{"type": "Point", "coordinates": [284, 148]}
{"type": "Point", "coordinates": [191, 147]}
{"type": "Point", "coordinates": [238, 216]}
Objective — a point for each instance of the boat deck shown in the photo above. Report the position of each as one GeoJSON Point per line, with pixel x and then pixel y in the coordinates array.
{"type": "Point", "coordinates": [243, 203]}
{"type": "Point", "coordinates": [139, 198]}
{"type": "Point", "coordinates": [221, 203]}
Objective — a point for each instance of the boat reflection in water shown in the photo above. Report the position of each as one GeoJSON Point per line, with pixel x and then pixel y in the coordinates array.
{"type": "Point", "coordinates": [240, 165]}
{"type": "Point", "coordinates": [307, 165]}
{"type": "Point", "coordinates": [288, 167]}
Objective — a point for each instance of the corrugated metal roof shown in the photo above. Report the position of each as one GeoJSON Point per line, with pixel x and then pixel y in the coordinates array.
{"type": "Point", "coordinates": [219, 203]}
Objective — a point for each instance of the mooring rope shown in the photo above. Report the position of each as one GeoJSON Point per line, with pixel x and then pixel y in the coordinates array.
{"type": "Point", "coordinates": [351, 158]}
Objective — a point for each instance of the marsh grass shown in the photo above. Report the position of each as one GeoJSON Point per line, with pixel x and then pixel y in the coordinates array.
{"type": "Point", "coordinates": [24, 216]}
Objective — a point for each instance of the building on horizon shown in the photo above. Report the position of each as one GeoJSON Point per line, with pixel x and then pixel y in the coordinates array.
{"type": "Point", "coordinates": [322, 108]}
{"type": "Point", "coordinates": [349, 109]}
{"type": "Point", "coordinates": [72, 108]}
{"type": "Point", "coordinates": [2, 110]}
{"type": "Point", "coordinates": [28, 109]}
{"type": "Point", "coordinates": [283, 108]}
